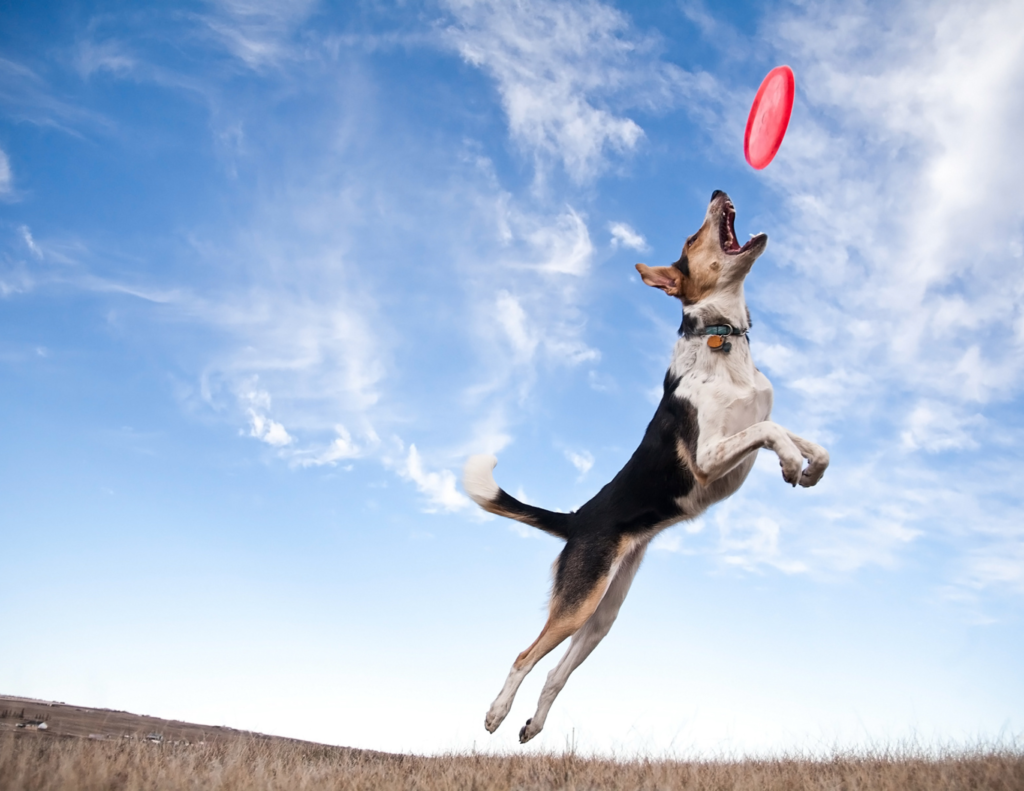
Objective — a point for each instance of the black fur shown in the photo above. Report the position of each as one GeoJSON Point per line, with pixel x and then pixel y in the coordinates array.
{"type": "Point", "coordinates": [549, 521]}
{"type": "Point", "coordinates": [644, 492]}
{"type": "Point", "coordinates": [683, 264]}
{"type": "Point", "coordinates": [642, 495]}
{"type": "Point", "coordinates": [689, 325]}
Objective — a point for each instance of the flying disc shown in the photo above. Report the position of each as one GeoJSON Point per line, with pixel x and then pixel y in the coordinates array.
{"type": "Point", "coordinates": [769, 117]}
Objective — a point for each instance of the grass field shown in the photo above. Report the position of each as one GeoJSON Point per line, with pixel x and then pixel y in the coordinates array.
{"type": "Point", "coordinates": [30, 762]}
{"type": "Point", "coordinates": [87, 749]}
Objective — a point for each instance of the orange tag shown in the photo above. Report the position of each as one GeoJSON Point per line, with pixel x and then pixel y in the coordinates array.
{"type": "Point", "coordinates": [715, 341]}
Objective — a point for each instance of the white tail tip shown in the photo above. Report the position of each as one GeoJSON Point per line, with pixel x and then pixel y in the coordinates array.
{"type": "Point", "coordinates": [477, 479]}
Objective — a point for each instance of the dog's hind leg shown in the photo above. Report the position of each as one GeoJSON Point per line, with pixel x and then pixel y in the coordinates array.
{"type": "Point", "coordinates": [586, 639]}
{"type": "Point", "coordinates": [581, 579]}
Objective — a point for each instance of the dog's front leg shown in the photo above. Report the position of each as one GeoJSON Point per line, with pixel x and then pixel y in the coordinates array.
{"type": "Point", "coordinates": [716, 457]}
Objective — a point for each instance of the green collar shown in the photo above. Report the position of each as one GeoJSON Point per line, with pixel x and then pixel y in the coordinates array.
{"type": "Point", "coordinates": [716, 335]}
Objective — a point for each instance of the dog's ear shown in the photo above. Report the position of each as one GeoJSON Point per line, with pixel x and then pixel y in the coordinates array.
{"type": "Point", "coordinates": [667, 278]}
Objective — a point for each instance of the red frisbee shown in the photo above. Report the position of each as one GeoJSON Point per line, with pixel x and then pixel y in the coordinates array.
{"type": "Point", "coordinates": [769, 117]}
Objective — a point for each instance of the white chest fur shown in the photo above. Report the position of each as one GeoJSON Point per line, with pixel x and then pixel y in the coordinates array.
{"type": "Point", "coordinates": [729, 395]}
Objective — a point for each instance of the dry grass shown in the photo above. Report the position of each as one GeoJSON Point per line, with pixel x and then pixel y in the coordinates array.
{"type": "Point", "coordinates": [31, 763]}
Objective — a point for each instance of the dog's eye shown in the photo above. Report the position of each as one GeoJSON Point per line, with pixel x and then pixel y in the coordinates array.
{"type": "Point", "coordinates": [691, 240]}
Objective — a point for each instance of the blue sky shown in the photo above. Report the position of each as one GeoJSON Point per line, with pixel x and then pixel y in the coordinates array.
{"type": "Point", "coordinates": [270, 271]}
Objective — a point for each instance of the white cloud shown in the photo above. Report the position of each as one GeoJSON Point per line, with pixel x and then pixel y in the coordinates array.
{"type": "Point", "coordinates": [554, 63]}
{"type": "Point", "coordinates": [297, 323]}
{"type": "Point", "coordinates": [750, 542]}
{"type": "Point", "coordinates": [439, 487]}
{"type": "Point", "coordinates": [526, 285]}
{"type": "Point", "coordinates": [270, 431]}
{"type": "Point", "coordinates": [14, 280]}
{"type": "Point", "coordinates": [667, 541]}
{"type": "Point", "coordinates": [935, 426]}
{"type": "Point", "coordinates": [512, 319]}
{"type": "Point", "coordinates": [904, 237]}
{"type": "Point", "coordinates": [564, 244]}
{"type": "Point", "coordinates": [998, 565]}
{"type": "Point", "coordinates": [623, 235]}
{"type": "Point", "coordinates": [341, 448]}
{"type": "Point", "coordinates": [306, 352]}
{"type": "Point", "coordinates": [582, 460]}
{"type": "Point", "coordinates": [30, 243]}
{"type": "Point", "coordinates": [6, 177]}
{"type": "Point", "coordinates": [260, 425]}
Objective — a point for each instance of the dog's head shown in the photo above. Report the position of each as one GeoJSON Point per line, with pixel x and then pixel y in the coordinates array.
{"type": "Point", "coordinates": [712, 260]}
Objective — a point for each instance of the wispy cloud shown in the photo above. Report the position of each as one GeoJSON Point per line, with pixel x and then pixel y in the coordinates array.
{"type": "Point", "coordinates": [257, 32]}
{"type": "Point", "coordinates": [320, 360]}
{"type": "Point", "coordinates": [439, 486]}
{"type": "Point", "coordinates": [554, 64]}
{"type": "Point", "coordinates": [526, 275]}
{"type": "Point", "coordinates": [30, 242]}
{"type": "Point", "coordinates": [26, 96]}
{"type": "Point", "coordinates": [92, 56]}
{"type": "Point", "coordinates": [6, 177]}
{"type": "Point", "coordinates": [538, 312]}
{"type": "Point", "coordinates": [937, 426]}
{"type": "Point", "coordinates": [342, 448]}
{"type": "Point", "coordinates": [566, 72]}
{"type": "Point", "coordinates": [913, 235]}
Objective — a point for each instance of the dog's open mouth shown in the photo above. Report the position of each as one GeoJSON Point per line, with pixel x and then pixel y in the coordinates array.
{"type": "Point", "coordinates": [727, 231]}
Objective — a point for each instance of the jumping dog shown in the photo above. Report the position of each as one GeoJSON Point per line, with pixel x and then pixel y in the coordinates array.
{"type": "Point", "coordinates": [698, 450]}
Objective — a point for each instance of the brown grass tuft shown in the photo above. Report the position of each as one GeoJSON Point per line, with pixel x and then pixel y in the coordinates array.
{"type": "Point", "coordinates": [48, 764]}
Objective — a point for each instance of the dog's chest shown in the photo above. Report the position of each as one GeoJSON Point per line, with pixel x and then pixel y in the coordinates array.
{"type": "Point", "coordinates": [728, 396]}
{"type": "Point", "coordinates": [728, 393]}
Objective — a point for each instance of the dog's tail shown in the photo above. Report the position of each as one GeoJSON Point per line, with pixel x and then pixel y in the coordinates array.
{"type": "Point", "coordinates": [478, 481]}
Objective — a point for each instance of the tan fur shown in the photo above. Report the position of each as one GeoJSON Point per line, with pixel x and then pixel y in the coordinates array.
{"type": "Point", "coordinates": [688, 461]}
{"type": "Point", "coordinates": [563, 622]}
{"type": "Point", "coordinates": [702, 252]}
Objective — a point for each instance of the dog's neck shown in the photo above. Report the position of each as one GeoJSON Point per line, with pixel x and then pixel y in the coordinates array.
{"type": "Point", "coordinates": [722, 308]}
{"type": "Point", "coordinates": [693, 356]}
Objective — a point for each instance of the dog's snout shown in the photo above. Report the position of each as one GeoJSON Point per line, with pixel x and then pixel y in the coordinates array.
{"type": "Point", "coordinates": [716, 193]}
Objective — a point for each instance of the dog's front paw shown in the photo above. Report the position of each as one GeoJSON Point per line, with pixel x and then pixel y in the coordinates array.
{"type": "Point", "coordinates": [816, 466]}
{"type": "Point", "coordinates": [810, 476]}
{"type": "Point", "coordinates": [791, 464]}
{"type": "Point", "coordinates": [528, 731]}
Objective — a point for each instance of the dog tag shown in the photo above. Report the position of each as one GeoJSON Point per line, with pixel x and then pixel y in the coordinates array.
{"type": "Point", "coordinates": [714, 341]}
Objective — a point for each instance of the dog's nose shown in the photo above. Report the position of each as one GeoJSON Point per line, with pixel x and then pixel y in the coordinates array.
{"type": "Point", "coordinates": [716, 193]}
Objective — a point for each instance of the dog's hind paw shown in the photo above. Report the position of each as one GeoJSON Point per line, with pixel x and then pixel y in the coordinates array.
{"type": "Point", "coordinates": [528, 731]}
{"type": "Point", "coordinates": [495, 717]}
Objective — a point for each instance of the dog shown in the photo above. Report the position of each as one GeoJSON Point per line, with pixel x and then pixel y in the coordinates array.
{"type": "Point", "coordinates": [698, 449]}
